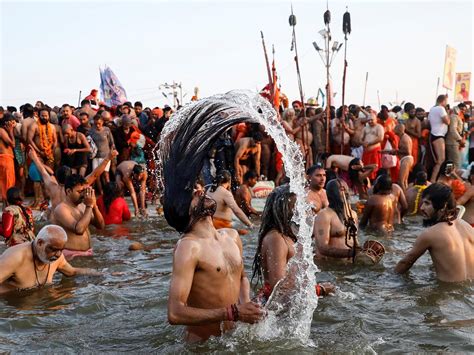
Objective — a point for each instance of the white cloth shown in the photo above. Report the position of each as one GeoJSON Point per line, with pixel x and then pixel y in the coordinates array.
{"type": "Point", "coordinates": [97, 161]}
{"type": "Point", "coordinates": [438, 127]}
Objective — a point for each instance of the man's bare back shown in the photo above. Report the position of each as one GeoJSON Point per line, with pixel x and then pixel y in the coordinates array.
{"type": "Point", "coordinates": [378, 213]}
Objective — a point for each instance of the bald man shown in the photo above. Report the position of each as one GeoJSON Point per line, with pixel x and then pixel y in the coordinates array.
{"type": "Point", "coordinates": [32, 265]}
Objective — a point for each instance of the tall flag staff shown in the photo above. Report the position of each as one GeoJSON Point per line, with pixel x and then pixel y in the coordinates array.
{"type": "Point", "coordinates": [269, 73]}
{"type": "Point", "coordinates": [346, 29]}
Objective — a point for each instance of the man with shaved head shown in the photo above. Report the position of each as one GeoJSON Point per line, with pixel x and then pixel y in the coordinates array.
{"type": "Point", "coordinates": [31, 265]}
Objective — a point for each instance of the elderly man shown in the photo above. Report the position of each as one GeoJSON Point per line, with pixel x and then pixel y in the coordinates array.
{"type": "Point", "coordinates": [372, 137]}
{"type": "Point", "coordinates": [32, 265]}
{"type": "Point", "coordinates": [449, 240]}
{"type": "Point", "coordinates": [75, 214]}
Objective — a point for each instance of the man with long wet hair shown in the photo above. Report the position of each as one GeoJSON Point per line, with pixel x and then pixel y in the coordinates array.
{"type": "Point", "coordinates": [209, 290]}
{"type": "Point", "coordinates": [449, 240]}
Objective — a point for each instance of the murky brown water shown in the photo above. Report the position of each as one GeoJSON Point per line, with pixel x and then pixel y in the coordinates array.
{"type": "Point", "coordinates": [375, 310]}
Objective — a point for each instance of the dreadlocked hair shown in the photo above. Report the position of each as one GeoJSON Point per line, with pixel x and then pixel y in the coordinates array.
{"type": "Point", "coordinates": [182, 151]}
{"type": "Point", "coordinates": [276, 215]}
{"type": "Point", "coordinates": [333, 192]}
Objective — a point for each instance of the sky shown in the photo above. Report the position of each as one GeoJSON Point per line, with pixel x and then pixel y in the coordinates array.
{"type": "Point", "coordinates": [52, 50]}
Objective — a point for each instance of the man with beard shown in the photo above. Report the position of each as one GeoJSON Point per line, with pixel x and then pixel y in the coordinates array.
{"type": "Point", "coordinates": [372, 137]}
{"type": "Point", "coordinates": [75, 214]}
{"type": "Point", "coordinates": [33, 265]}
{"type": "Point", "coordinates": [449, 240]}
{"type": "Point", "coordinates": [316, 197]}
{"type": "Point", "coordinates": [68, 117]}
{"type": "Point", "coordinates": [413, 129]}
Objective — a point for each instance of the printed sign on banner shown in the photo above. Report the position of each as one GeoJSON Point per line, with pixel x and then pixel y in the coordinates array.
{"type": "Point", "coordinates": [462, 88]}
{"type": "Point", "coordinates": [449, 68]}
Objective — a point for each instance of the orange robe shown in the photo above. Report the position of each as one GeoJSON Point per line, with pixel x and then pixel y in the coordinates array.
{"type": "Point", "coordinates": [7, 174]}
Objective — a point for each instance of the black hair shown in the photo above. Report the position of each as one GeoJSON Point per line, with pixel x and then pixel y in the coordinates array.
{"type": "Point", "coordinates": [222, 177]}
{"type": "Point", "coordinates": [250, 175]}
{"type": "Point", "coordinates": [396, 109]}
{"type": "Point", "coordinates": [442, 168]}
{"type": "Point", "coordinates": [84, 114]}
{"type": "Point", "coordinates": [11, 109]}
{"type": "Point", "coordinates": [381, 171]}
{"type": "Point", "coordinates": [461, 105]}
{"type": "Point", "coordinates": [28, 110]}
{"type": "Point", "coordinates": [112, 191]}
{"type": "Point", "coordinates": [167, 109]}
{"type": "Point", "coordinates": [333, 192]}
{"type": "Point", "coordinates": [354, 174]}
{"type": "Point", "coordinates": [408, 107]}
{"type": "Point", "coordinates": [44, 108]}
{"type": "Point", "coordinates": [257, 136]}
{"type": "Point", "coordinates": [421, 178]}
{"type": "Point", "coordinates": [62, 173]}
{"type": "Point", "coordinates": [84, 102]}
{"type": "Point", "coordinates": [14, 198]}
{"type": "Point", "coordinates": [138, 169]}
{"type": "Point", "coordinates": [276, 215]}
{"type": "Point", "coordinates": [185, 149]}
{"type": "Point", "coordinates": [339, 111]}
{"type": "Point", "coordinates": [383, 185]}
{"type": "Point", "coordinates": [313, 168]}
{"type": "Point", "coordinates": [442, 199]}
{"type": "Point", "coordinates": [138, 103]}
{"type": "Point", "coordinates": [74, 180]}
{"type": "Point", "coordinates": [440, 99]}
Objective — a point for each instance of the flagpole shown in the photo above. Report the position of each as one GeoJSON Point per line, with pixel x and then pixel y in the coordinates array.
{"type": "Point", "coordinates": [270, 80]}
{"type": "Point", "coordinates": [346, 28]}
{"type": "Point", "coordinates": [365, 87]}
{"type": "Point", "coordinates": [437, 89]}
{"type": "Point", "coordinates": [79, 101]}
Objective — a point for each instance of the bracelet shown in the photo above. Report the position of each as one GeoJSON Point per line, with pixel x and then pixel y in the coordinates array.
{"type": "Point", "coordinates": [320, 290]}
{"type": "Point", "coordinates": [235, 312]}
{"type": "Point", "coordinates": [229, 314]}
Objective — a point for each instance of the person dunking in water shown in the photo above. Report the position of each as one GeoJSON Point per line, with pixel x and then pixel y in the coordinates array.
{"type": "Point", "coordinates": [449, 240]}
{"type": "Point", "coordinates": [132, 176]}
{"type": "Point", "coordinates": [33, 264]}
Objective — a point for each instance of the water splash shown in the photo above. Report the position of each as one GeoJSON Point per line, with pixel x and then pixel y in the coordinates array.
{"type": "Point", "coordinates": [291, 306]}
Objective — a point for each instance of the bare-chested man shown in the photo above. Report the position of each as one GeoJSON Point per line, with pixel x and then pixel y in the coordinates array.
{"type": "Point", "coordinates": [467, 200]}
{"type": "Point", "coordinates": [225, 203]}
{"type": "Point", "coordinates": [316, 197]}
{"type": "Point", "coordinates": [32, 265]}
{"type": "Point", "coordinates": [133, 176]}
{"type": "Point", "coordinates": [329, 230]}
{"type": "Point", "coordinates": [54, 184]}
{"type": "Point", "coordinates": [340, 161]}
{"type": "Point", "coordinates": [380, 207]}
{"type": "Point", "coordinates": [247, 156]}
{"type": "Point", "coordinates": [42, 137]}
{"type": "Point", "coordinates": [449, 240]}
{"type": "Point", "coordinates": [7, 162]}
{"type": "Point", "coordinates": [405, 148]}
{"type": "Point", "coordinates": [413, 193]}
{"type": "Point", "coordinates": [413, 129]}
{"type": "Point", "coordinates": [359, 119]}
{"type": "Point", "coordinates": [372, 137]}
{"type": "Point", "coordinates": [244, 194]}
{"type": "Point", "coordinates": [209, 289]}
{"type": "Point", "coordinates": [75, 214]}
{"type": "Point", "coordinates": [28, 120]}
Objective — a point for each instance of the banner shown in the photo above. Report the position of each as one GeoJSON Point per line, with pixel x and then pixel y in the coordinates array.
{"type": "Point", "coordinates": [463, 84]}
{"type": "Point", "coordinates": [111, 89]}
{"type": "Point", "coordinates": [449, 68]}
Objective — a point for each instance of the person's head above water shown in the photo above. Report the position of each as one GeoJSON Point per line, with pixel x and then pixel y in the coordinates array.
{"type": "Point", "coordinates": [183, 151]}
{"type": "Point", "coordinates": [316, 176]}
{"type": "Point", "coordinates": [250, 178]}
{"type": "Point", "coordinates": [74, 186]}
{"type": "Point", "coordinates": [335, 190]}
{"type": "Point", "coordinates": [276, 215]}
{"type": "Point", "coordinates": [383, 185]}
{"type": "Point", "coordinates": [50, 243]}
{"type": "Point", "coordinates": [62, 173]}
{"type": "Point", "coordinates": [438, 205]}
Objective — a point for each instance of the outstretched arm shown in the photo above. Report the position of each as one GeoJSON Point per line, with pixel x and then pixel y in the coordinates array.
{"type": "Point", "coordinates": [68, 270]}
{"type": "Point", "coordinates": [48, 179]}
{"type": "Point", "coordinates": [421, 245]}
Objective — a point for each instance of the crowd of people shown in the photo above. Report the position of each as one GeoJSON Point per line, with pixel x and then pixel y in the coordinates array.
{"type": "Point", "coordinates": [399, 163]}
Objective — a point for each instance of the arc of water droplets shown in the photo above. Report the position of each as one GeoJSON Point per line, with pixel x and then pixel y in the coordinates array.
{"type": "Point", "coordinates": [291, 319]}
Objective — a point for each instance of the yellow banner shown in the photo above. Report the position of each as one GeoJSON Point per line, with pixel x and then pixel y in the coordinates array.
{"type": "Point", "coordinates": [449, 68]}
{"type": "Point", "coordinates": [463, 84]}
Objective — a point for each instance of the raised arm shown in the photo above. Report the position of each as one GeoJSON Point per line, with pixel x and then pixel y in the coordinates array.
{"type": "Point", "coordinates": [97, 172]}
{"type": "Point", "coordinates": [48, 179]}
{"type": "Point", "coordinates": [421, 245]}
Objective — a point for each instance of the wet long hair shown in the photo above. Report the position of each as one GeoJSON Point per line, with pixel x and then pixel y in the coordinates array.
{"type": "Point", "coordinates": [354, 174]}
{"type": "Point", "coordinates": [442, 199]}
{"type": "Point", "coordinates": [112, 191]}
{"type": "Point", "coordinates": [333, 192]}
{"type": "Point", "coordinates": [221, 178]}
{"type": "Point", "coordinates": [276, 215]}
{"type": "Point", "coordinates": [183, 152]}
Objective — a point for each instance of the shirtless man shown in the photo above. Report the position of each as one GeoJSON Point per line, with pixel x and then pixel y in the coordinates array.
{"type": "Point", "coordinates": [75, 214]}
{"type": "Point", "coordinates": [42, 138]}
{"type": "Point", "coordinates": [340, 161]}
{"type": "Point", "coordinates": [372, 137]}
{"type": "Point", "coordinates": [467, 200]}
{"type": "Point", "coordinates": [316, 197]}
{"type": "Point", "coordinates": [439, 121]}
{"type": "Point", "coordinates": [329, 230]}
{"type": "Point", "coordinates": [225, 203]}
{"type": "Point", "coordinates": [33, 264]}
{"type": "Point", "coordinates": [247, 156]}
{"type": "Point", "coordinates": [449, 240]}
{"type": "Point", "coordinates": [54, 184]}
{"type": "Point", "coordinates": [209, 289]}
{"type": "Point", "coordinates": [244, 194]}
{"type": "Point", "coordinates": [359, 119]}
{"type": "Point", "coordinates": [405, 148]}
{"type": "Point", "coordinates": [7, 159]}
{"type": "Point", "coordinates": [413, 193]}
{"type": "Point", "coordinates": [380, 207]}
{"type": "Point", "coordinates": [413, 129]}
{"type": "Point", "coordinates": [132, 176]}
{"type": "Point", "coordinates": [28, 120]}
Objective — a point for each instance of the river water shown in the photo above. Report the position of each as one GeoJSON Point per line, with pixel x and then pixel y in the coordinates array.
{"type": "Point", "coordinates": [374, 310]}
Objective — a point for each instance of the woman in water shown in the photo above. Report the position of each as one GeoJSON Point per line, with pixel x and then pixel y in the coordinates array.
{"type": "Point", "coordinates": [112, 205]}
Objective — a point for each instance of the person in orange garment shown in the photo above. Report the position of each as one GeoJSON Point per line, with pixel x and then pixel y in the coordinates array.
{"type": "Point", "coordinates": [7, 159]}
{"type": "Point", "coordinates": [372, 137]}
{"type": "Point", "coordinates": [391, 137]}
{"type": "Point", "coordinates": [112, 205]}
{"type": "Point", "coordinates": [413, 129]}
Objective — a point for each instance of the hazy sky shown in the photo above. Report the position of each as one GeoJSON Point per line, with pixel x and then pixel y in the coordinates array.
{"type": "Point", "coordinates": [51, 50]}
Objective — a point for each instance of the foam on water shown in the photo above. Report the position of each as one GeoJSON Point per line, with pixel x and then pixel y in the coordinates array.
{"type": "Point", "coordinates": [291, 306]}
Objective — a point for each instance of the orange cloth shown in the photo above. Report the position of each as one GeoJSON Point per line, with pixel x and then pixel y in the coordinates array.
{"type": "Point", "coordinates": [220, 223]}
{"type": "Point", "coordinates": [372, 157]}
{"type": "Point", "coordinates": [414, 150]}
{"type": "Point", "coordinates": [458, 188]}
{"type": "Point", "coordinates": [7, 174]}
